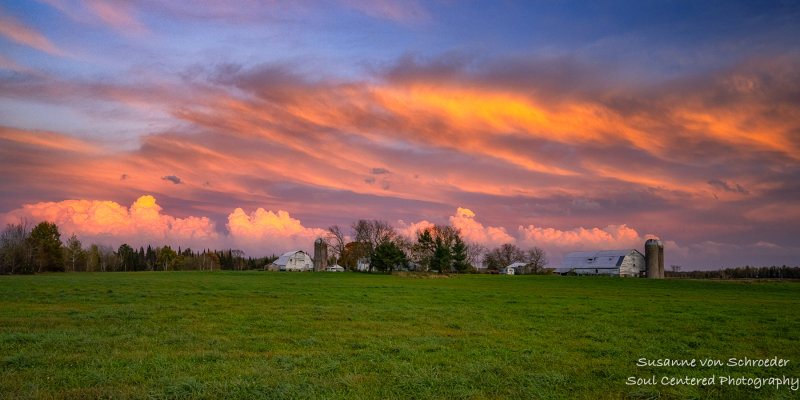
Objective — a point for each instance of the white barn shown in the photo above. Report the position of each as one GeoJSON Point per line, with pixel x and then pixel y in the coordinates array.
{"type": "Point", "coordinates": [603, 262]}
{"type": "Point", "coordinates": [296, 260]}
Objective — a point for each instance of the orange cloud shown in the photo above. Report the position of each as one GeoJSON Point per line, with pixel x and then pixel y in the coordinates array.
{"type": "Point", "coordinates": [111, 223]}
{"type": "Point", "coordinates": [47, 140]}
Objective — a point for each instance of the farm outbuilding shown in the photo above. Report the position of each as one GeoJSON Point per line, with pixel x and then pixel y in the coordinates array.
{"type": "Point", "coordinates": [603, 262]}
{"type": "Point", "coordinates": [513, 269]}
{"type": "Point", "coordinates": [296, 260]}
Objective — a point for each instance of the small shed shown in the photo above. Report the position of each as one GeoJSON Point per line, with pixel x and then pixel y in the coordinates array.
{"type": "Point", "coordinates": [517, 267]}
{"type": "Point", "coordinates": [603, 262]}
{"type": "Point", "coordinates": [296, 260]}
{"type": "Point", "coordinates": [511, 269]}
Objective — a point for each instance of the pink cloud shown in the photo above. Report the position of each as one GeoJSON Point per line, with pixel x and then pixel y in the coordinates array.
{"type": "Point", "coordinates": [11, 65]}
{"type": "Point", "coordinates": [265, 232]}
{"type": "Point", "coordinates": [473, 231]}
{"type": "Point", "coordinates": [11, 28]}
{"type": "Point", "coordinates": [107, 222]}
{"type": "Point", "coordinates": [410, 230]}
{"type": "Point", "coordinates": [49, 140]}
{"type": "Point", "coordinates": [117, 14]}
{"type": "Point", "coordinates": [610, 237]}
{"type": "Point", "coordinates": [784, 211]}
{"type": "Point", "coordinates": [404, 12]}
{"type": "Point", "coordinates": [262, 230]}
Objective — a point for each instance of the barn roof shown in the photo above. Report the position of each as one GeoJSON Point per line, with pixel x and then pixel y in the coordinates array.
{"type": "Point", "coordinates": [595, 259]}
{"type": "Point", "coordinates": [284, 258]}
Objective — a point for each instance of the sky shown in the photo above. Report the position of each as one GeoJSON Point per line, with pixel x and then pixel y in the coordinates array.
{"type": "Point", "coordinates": [256, 125]}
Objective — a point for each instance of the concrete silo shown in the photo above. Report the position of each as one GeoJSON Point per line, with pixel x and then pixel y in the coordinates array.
{"type": "Point", "coordinates": [654, 258]}
{"type": "Point", "coordinates": [320, 255]}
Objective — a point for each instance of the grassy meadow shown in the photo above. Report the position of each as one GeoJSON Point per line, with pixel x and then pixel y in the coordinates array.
{"type": "Point", "coordinates": [348, 335]}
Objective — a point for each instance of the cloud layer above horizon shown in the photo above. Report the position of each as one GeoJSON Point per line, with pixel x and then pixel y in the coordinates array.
{"type": "Point", "coordinates": [570, 136]}
{"type": "Point", "coordinates": [257, 233]}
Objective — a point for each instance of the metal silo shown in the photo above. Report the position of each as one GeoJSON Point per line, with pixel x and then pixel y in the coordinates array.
{"type": "Point", "coordinates": [652, 258]}
{"type": "Point", "coordinates": [660, 259]}
{"type": "Point", "coordinates": [320, 255]}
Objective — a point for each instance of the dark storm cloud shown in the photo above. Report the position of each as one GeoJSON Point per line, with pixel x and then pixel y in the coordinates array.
{"type": "Point", "coordinates": [172, 178]}
{"type": "Point", "coordinates": [722, 185]}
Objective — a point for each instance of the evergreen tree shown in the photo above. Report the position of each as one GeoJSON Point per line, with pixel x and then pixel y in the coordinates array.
{"type": "Point", "coordinates": [46, 243]}
{"type": "Point", "coordinates": [460, 255]}
{"type": "Point", "coordinates": [126, 257]}
{"type": "Point", "coordinates": [141, 261]}
{"type": "Point", "coordinates": [151, 259]}
{"type": "Point", "coordinates": [442, 257]}
{"type": "Point", "coordinates": [387, 256]}
{"type": "Point", "coordinates": [424, 248]}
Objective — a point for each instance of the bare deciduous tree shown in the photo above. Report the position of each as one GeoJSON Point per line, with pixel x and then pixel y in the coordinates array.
{"type": "Point", "coordinates": [107, 257]}
{"type": "Point", "coordinates": [536, 260]}
{"type": "Point", "coordinates": [16, 251]}
{"type": "Point", "coordinates": [475, 253]}
{"type": "Point", "coordinates": [336, 241]}
{"type": "Point", "coordinates": [498, 258]}
{"type": "Point", "coordinates": [74, 253]}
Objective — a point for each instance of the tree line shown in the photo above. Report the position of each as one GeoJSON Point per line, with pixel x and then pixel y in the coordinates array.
{"type": "Point", "coordinates": [438, 248]}
{"type": "Point", "coordinates": [26, 250]}
{"type": "Point", "coordinates": [747, 272]}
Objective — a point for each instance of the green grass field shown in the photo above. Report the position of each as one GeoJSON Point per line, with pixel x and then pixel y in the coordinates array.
{"type": "Point", "coordinates": [346, 335]}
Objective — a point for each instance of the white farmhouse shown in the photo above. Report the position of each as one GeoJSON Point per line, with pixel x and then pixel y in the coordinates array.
{"type": "Point", "coordinates": [603, 262]}
{"type": "Point", "coordinates": [296, 260]}
{"type": "Point", "coordinates": [363, 265]}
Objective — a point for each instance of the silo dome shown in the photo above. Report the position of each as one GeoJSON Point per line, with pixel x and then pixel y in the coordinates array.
{"type": "Point", "coordinates": [653, 242]}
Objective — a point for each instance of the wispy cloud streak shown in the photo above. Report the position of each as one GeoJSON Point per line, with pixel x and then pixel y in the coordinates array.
{"type": "Point", "coordinates": [16, 31]}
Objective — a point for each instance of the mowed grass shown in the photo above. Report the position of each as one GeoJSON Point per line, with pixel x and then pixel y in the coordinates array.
{"type": "Point", "coordinates": [347, 335]}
